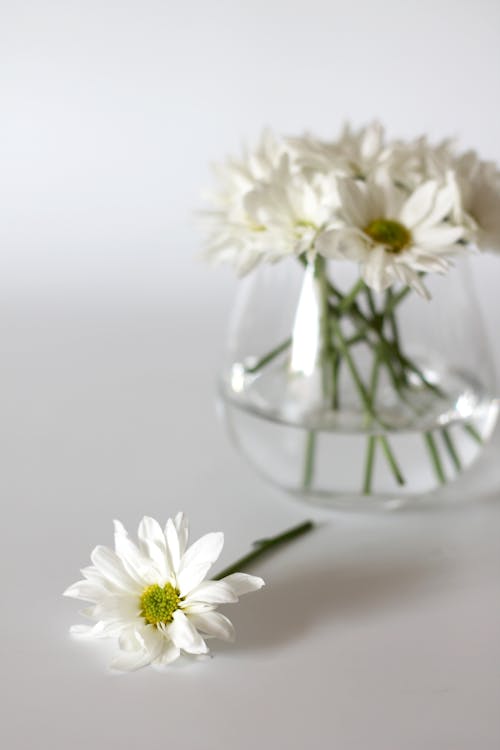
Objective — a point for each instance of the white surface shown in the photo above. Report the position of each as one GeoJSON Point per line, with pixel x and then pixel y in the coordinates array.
{"type": "Point", "coordinates": [375, 632]}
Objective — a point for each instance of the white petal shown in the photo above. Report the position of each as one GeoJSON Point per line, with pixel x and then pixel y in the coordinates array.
{"type": "Point", "coordinates": [128, 661]}
{"type": "Point", "coordinates": [190, 607]}
{"type": "Point", "coordinates": [153, 639]}
{"type": "Point", "coordinates": [130, 641]}
{"type": "Point", "coordinates": [212, 592]}
{"type": "Point", "coordinates": [152, 542]}
{"type": "Point", "coordinates": [242, 583]}
{"type": "Point", "coordinates": [372, 140]}
{"type": "Point", "coordinates": [328, 243]}
{"type": "Point", "coordinates": [173, 546]}
{"type": "Point", "coordinates": [189, 578]}
{"type": "Point", "coordinates": [168, 655]}
{"type": "Point", "coordinates": [182, 526]}
{"type": "Point", "coordinates": [184, 635]}
{"type": "Point", "coordinates": [92, 574]}
{"type": "Point", "coordinates": [445, 203]}
{"type": "Point", "coordinates": [419, 204]}
{"type": "Point", "coordinates": [374, 270]}
{"type": "Point", "coordinates": [83, 631]}
{"type": "Point", "coordinates": [118, 608]}
{"type": "Point", "coordinates": [135, 563]}
{"type": "Point", "coordinates": [355, 203]}
{"type": "Point", "coordinates": [437, 236]}
{"type": "Point", "coordinates": [109, 564]}
{"type": "Point", "coordinates": [214, 624]}
{"type": "Point", "coordinates": [100, 630]}
{"type": "Point", "coordinates": [86, 590]}
{"type": "Point", "coordinates": [198, 560]}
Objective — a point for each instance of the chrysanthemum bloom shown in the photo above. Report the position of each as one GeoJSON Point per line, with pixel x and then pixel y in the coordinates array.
{"type": "Point", "coordinates": [357, 154]}
{"type": "Point", "coordinates": [267, 208]}
{"type": "Point", "coordinates": [479, 184]}
{"type": "Point", "coordinates": [153, 596]}
{"type": "Point", "coordinates": [393, 235]}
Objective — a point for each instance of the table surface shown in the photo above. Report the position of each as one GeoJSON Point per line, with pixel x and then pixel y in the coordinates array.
{"type": "Point", "coordinates": [376, 630]}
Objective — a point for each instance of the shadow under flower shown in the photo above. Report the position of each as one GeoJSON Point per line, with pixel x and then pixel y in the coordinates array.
{"type": "Point", "coordinates": [286, 609]}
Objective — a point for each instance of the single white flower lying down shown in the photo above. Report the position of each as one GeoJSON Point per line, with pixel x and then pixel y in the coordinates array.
{"type": "Point", "coordinates": [153, 596]}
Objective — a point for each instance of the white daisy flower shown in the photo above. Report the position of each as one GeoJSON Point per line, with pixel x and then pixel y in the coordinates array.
{"type": "Point", "coordinates": [395, 236]}
{"type": "Point", "coordinates": [357, 154]}
{"type": "Point", "coordinates": [271, 218]}
{"type": "Point", "coordinates": [411, 164]}
{"type": "Point", "coordinates": [479, 206]}
{"type": "Point", "coordinates": [153, 596]}
{"type": "Point", "coordinates": [232, 235]}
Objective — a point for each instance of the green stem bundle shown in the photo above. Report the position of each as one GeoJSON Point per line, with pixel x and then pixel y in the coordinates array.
{"type": "Point", "coordinates": [378, 329]}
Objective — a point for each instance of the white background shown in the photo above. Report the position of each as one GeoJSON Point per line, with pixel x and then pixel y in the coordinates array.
{"type": "Point", "coordinates": [382, 632]}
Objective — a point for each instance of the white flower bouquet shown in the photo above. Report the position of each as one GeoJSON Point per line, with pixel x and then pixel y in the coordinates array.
{"type": "Point", "coordinates": [402, 212]}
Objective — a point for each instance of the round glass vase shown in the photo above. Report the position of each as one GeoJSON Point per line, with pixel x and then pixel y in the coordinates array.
{"type": "Point", "coordinates": [339, 394]}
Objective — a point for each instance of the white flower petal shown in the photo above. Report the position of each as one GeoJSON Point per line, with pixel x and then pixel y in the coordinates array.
{"type": "Point", "coordinates": [375, 269]}
{"type": "Point", "coordinates": [101, 629]}
{"type": "Point", "coordinates": [92, 574]}
{"type": "Point", "coordinates": [118, 608]}
{"type": "Point", "coordinates": [189, 578]}
{"type": "Point", "coordinates": [242, 583]}
{"type": "Point", "coordinates": [152, 637]}
{"type": "Point", "coordinates": [152, 542]}
{"type": "Point", "coordinates": [198, 560]}
{"type": "Point", "coordinates": [87, 590]}
{"type": "Point", "coordinates": [355, 203]}
{"type": "Point", "coordinates": [433, 238]}
{"type": "Point", "coordinates": [328, 244]}
{"type": "Point", "coordinates": [109, 564]}
{"type": "Point", "coordinates": [173, 546]}
{"type": "Point", "coordinates": [137, 565]}
{"type": "Point", "coordinates": [184, 635]}
{"type": "Point", "coordinates": [182, 526]}
{"type": "Point", "coordinates": [129, 640]}
{"type": "Point", "coordinates": [190, 607]}
{"type": "Point", "coordinates": [212, 592]}
{"type": "Point", "coordinates": [419, 204]}
{"type": "Point", "coordinates": [169, 654]}
{"type": "Point", "coordinates": [213, 624]}
{"type": "Point", "coordinates": [130, 661]}
{"type": "Point", "coordinates": [83, 631]}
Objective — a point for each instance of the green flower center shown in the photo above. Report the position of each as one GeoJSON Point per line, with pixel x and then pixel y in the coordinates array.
{"type": "Point", "coordinates": [159, 604]}
{"type": "Point", "coordinates": [393, 235]}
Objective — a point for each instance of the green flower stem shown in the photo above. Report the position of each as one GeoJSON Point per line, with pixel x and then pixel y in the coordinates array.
{"type": "Point", "coordinates": [372, 440]}
{"type": "Point", "coordinates": [328, 353]}
{"type": "Point", "coordinates": [471, 430]}
{"type": "Point", "coordinates": [349, 298]}
{"type": "Point", "coordinates": [344, 350]}
{"type": "Point", "coordinates": [310, 450]}
{"type": "Point", "coordinates": [387, 350]}
{"type": "Point", "coordinates": [369, 461]}
{"type": "Point", "coordinates": [368, 403]}
{"type": "Point", "coordinates": [371, 303]}
{"type": "Point", "coordinates": [395, 300]}
{"type": "Point", "coordinates": [263, 361]}
{"type": "Point", "coordinates": [264, 546]}
{"type": "Point", "coordinates": [391, 352]}
{"type": "Point", "coordinates": [394, 330]}
{"type": "Point", "coordinates": [450, 447]}
{"type": "Point", "coordinates": [434, 454]}
{"type": "Point", "coordinates": [384, 442]}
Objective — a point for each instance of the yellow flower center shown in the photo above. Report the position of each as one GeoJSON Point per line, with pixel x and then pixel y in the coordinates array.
{"type": "Point", "coordinates": [159, 604]}
{"type": "Point", "coordinates": [393, 235]}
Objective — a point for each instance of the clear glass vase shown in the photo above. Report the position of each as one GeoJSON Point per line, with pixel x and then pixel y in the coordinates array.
{"type": "Point", "coordinates": [335, 393]}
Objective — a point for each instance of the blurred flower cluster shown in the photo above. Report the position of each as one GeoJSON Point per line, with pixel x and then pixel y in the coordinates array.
{"type": "Point", "coordinates": [399, 209]}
